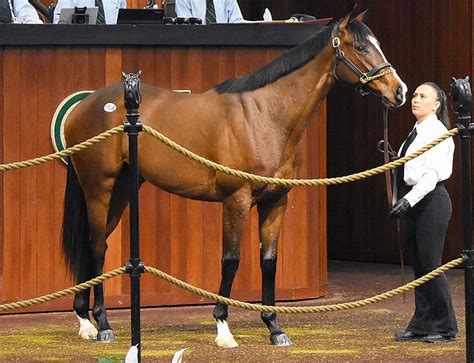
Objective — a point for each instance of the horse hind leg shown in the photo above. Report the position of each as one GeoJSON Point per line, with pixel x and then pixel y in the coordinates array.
{"type": "Point", "coordinates": [77, 248]}
{"type": "Point", "coordinates": [100, 197]}
{"type": "Point", "coordinates": [118, 201]}
{"type": "Point", "coordinates": [270, 218]}
{"type": "Point", "coordinates": [235, 212]}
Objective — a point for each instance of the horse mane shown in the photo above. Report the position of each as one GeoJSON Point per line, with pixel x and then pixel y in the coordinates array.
{"type": "Point", "coordinates": [291, 60]}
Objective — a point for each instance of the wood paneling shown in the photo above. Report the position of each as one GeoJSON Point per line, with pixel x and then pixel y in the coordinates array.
{"type": "Point", "coordinates": [179, 236]}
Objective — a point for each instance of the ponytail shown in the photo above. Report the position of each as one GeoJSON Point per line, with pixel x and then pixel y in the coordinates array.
{"type": "Point", "coordinates": [442, 111]}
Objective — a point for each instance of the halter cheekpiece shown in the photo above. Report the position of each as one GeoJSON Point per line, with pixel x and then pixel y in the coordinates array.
{"type": "Point", "coordinates": [364, 78]}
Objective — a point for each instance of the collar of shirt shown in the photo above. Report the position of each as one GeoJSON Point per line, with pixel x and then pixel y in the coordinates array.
{"type": "Point", "coordinates": [427, 126]}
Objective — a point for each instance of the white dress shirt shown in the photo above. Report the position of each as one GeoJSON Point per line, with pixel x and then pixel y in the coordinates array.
{"type": "Point", "coordinates": [435, 165]}
{"type": "Point", "coordinates": [24, 12]}
{"type": "Point", "coordinates": [227, 11]}
{"type": "Point", "coordinates": [111, 8]}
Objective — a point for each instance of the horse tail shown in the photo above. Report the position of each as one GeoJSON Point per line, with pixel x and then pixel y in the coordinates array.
{"type": "Point", "coordinates": [76, 242]}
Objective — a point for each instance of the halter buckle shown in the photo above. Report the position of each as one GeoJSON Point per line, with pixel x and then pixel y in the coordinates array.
{"type": "Point", "coordinates": [364, 78]}
{"type": "Point", "coordinates": [336, 42]}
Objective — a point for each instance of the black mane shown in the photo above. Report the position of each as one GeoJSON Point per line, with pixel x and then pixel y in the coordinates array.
{"type": "Point", "coordinates": [291, 60]}
{"type": "Point", "coordinates": [286, 63]}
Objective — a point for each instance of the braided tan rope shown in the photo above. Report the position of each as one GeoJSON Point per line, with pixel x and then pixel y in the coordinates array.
{"type": "Point", "coordinates": [243, 305]}
{"type": "Point", "coordinates": [306, 309]}
{"type": "Point", "coordinates": [66, 152]}
{"type": "Point", "coordinates": [295, 182]}
{"type": "Point", "coordinates": [57, 295]}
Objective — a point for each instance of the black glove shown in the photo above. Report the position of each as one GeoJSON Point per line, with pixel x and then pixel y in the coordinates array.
{"type": "Point", "coordinates": [400, 208]}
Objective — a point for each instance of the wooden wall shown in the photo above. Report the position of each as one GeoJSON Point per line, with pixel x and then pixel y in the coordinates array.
{"type": "Point", "coordinates": [425, 40]}
{"type": "Point", "coordinates": [179, 236]}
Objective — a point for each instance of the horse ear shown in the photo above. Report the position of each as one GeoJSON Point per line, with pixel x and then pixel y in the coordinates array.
{"type": "Point", "coordinates": [362, 17]}
{"type": "Point", "coordinates": [347, 19]}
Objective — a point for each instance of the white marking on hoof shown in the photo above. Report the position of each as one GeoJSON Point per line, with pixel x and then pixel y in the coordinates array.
{"type": "Point", "coordinates": [224, 337]}
{"type": "Point", "coordinates": [87, 330]}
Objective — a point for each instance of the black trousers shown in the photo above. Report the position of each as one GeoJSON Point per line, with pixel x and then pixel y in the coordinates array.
{"type": "Point", "coordinates": [426, 226]}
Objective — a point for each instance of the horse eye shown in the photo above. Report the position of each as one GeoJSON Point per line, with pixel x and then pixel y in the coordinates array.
{"type": "Point", "coordinates": [361, 48]}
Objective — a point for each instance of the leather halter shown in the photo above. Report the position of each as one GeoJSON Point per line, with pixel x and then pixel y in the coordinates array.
{"type": "Point", "coordinates": [364, 78]}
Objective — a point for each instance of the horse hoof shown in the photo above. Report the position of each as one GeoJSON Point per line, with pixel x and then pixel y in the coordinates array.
{"type": "Point", "coordinates": [106, 336]}
{"type": "Point", "coordinates": [228, 342]}
{"type": "Point", "coordinates": [280, 340]}
{"type": "Point", "coordinates": [87, 330]}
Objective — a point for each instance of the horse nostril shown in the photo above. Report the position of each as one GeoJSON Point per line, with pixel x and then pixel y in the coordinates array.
{"type": "Point", "coordinates": [399, 94]}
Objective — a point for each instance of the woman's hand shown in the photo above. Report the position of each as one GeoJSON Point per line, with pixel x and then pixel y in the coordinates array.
{"type": "Point", "coordinates": [400, 208]}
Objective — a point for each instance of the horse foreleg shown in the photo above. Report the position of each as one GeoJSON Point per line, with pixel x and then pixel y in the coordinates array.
{"type": "Point", "coordinates": [235, 212]}
{"type": "Point", "coordinates": [270, 218]}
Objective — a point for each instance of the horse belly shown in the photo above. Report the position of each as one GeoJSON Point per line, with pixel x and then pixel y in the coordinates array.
{"type": "Point", "coordinates": [181, 177]}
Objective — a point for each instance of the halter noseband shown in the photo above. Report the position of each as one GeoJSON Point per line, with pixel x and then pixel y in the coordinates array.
{"type": "Point", "coordinates": [364, 78]}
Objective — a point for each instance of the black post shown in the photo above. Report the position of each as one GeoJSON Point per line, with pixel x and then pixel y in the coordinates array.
{"type": "Point", "coordinates": [134, 266]}
{"type": "Point", "coordinates": [461, 95]}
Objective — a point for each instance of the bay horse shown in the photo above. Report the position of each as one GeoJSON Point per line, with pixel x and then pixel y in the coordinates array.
{"type": "Point", "coordinates": [252, 123]}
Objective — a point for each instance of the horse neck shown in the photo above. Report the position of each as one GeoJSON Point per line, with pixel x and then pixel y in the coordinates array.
{"type": "Point", "coordinates": [303, 91]}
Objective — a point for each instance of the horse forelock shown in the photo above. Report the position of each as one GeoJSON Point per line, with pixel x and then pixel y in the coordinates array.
{"type": "Point", "coordinates": [360, 32]}
{"type": "Point", "coordinates": [289, 62]}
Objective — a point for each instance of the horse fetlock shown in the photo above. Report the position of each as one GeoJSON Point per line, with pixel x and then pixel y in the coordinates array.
{"type": "Point", "coordinates": [280, 339]}
{"type": "Point", "coordinates": [224, 338]}
{"type": "Point", "coordinates": [106, 336]}
{"type": "Point", "coordinates": [268, 318]}
{"type": "Point", "coordinates": [98, 312]}
{"type": "Point", "coordinates": [220, 312]}
{"type": "Point", "coordinates": [87, 330]}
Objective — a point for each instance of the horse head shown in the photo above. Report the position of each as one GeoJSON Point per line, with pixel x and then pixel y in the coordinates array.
{"type": "Point", "coordinates": [361, 62]}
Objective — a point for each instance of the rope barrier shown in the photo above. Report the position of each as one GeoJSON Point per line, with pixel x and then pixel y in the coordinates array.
{"type": "Point", "coordinates": [236, 303]}
{"type": "Point", "coordinates": [247, 176]}
{"type": "Point", "coordinates": [306, 309]}
{"type": "Point", "coordinates": [222, 168]}
{"type": "Point", "coordinates": [295, 182]}
{"type": "Point", "coordinates": [63, 293]}
{"type": "Point", "coordinates": [66, 152]}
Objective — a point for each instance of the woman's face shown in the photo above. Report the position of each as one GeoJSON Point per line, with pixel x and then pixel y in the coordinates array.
{"type": "Point", "coordinates": [424, 102]}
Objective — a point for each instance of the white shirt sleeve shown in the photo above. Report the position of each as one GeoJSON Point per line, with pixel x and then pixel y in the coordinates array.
{"type": "Point", "coordinates": [436, 165]}
{"type": "Point", "coordinates": [234, 15]}
{"type": "Point", "coordinates": [25, 12]}
{"type": "Point", "coordinates": [183, 8]}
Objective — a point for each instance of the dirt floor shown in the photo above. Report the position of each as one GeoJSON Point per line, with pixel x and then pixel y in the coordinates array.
{"type": "Point", "coordinates": [357, 335]}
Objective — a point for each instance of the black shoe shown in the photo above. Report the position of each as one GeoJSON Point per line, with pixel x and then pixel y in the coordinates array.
{"type": "Point", "coordinates": [408, 336]}
{"type": "Point", "coordinates": [438, 338]}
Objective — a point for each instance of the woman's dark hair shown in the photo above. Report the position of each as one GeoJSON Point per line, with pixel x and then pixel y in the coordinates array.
{"type": "Point", "coordinates": [442, 111]}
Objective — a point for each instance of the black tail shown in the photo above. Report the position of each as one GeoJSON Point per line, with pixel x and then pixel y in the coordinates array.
{"type": "Point", "coordinates": [76, 240]}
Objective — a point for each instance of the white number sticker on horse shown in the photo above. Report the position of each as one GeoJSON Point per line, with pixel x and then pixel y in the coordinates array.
{"type": "Point", "coordinates": [110, 107]}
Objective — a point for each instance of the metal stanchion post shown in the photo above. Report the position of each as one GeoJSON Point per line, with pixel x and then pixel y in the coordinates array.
{"type": "Point", "coordinates": [134, 266]}
{"type": "Point", "coordinates": [461, 95]}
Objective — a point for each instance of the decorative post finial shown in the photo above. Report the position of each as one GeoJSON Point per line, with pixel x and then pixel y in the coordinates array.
{"type": "Point", "coordinates": [132, 96]}
{"type": "Point", "coordinates": [462, 97]}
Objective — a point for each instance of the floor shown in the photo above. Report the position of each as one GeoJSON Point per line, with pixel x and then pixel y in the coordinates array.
{"type": "Point", "coordinates": [358, 335]}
